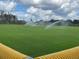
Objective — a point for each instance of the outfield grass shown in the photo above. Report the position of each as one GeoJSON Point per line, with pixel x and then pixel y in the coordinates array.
{"type": "Point", "coordinates": [37, 41]}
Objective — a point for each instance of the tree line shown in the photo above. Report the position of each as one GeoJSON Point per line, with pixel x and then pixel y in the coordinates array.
{"type": "Point", "coordinates": [69, 22]}
{"type": "Point", "coordinates": [10, 19]}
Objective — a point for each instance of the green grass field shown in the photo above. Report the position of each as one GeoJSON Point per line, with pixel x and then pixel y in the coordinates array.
{"type": "Point", "coordinates": [37, 41]}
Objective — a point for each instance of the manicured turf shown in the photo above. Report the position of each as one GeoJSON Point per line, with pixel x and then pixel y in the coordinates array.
{"type": "Point", "coordinates": [37, 41]}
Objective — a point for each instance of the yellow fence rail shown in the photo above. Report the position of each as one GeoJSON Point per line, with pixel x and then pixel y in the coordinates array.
{"type": "Point", "coordinates": [66, 54]}
{"type": "Point", "coordinates": [9, 53]}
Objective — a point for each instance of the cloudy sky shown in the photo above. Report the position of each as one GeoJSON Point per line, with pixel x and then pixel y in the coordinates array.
{"type": "Point", "coordinates": [41, 9]}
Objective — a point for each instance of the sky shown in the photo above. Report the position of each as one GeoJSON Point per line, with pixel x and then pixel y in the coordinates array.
{"type": "Point", "coordinates": [42, 9]}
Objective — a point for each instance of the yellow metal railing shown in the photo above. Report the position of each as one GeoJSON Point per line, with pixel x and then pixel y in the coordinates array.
{"type": "Point", "coordinates": [66, 54]}
{"type": "Point", "coordinates": [9, 53]}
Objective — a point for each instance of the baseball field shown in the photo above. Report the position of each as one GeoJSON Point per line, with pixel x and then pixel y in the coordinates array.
{"type": "Point", "coordinates": [37, 41]}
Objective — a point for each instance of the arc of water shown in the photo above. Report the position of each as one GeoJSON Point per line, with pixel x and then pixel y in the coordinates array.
{"type": "Point", "coordinates": [49, 26]}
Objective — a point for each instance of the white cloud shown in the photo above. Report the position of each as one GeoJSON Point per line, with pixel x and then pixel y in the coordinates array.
{"type": "Point", "coordinates": [72, 14]}
{"type": "Point", "coordinates": [44, 9]}
{"type": "Point", "coordinates": [32, 10]}
{"type": "Point", "coordinates": [7, 6]}
{"type": "Point", "coordinates": [37, 14]}
{"type": "Point", "coordinates": [20, 15]}
{"type": "Point", "coordinates": [60, 6]}
{"type": "Point", "coordinates": [45, 4]}
{"type": "Point", "coordinates": [36, 1]}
